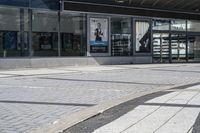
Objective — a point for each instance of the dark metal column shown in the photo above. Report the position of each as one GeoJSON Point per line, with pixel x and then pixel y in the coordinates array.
{"type": "Point", "coordinates": [187, 56]}
{"type": "Point", "coordinates": [170, 44]}
{"type": "Point", "coordinates": [59, 26]}
{"type": "Point", "coordinates": [22, 46]}
{"type": "Point", "coordinates": [30, 32]}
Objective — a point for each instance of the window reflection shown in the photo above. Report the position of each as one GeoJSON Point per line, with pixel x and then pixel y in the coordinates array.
{"type": "Point", "coordinates": [178, 47]}
{"type": "Point", "coordinates": [160, 24]}
{"type": "Point", "coordinates": [193, 26]}
{"type": "Point", "coordinates": [47, 4]}
{"type": "Point", "coordinates": [194, 48]}
{"type": "Point", "coordinates": [45, 34]}
{"type": "Point", "coordinates": [21, 3]}
{"type": "Point", "coordinates": [13, 32]}
{"type": "Point", "coordinates": [161, 47]}
{"type": "Point", "coordinates": [121, 36]}
{"type": "Point", "coordinates": [73, 34]}
{"type": "Point", "coordinates": [178, 25]}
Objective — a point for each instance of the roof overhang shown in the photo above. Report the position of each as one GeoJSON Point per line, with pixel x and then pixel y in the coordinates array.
{"type": "Point", "coordinates": [180, 10]}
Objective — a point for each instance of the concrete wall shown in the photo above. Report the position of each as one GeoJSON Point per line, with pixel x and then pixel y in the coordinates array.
{"type": "Point", "coordinates": [69, 61]}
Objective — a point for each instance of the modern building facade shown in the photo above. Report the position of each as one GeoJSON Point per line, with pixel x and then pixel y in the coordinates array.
{"type": "Point", "coordinates": [85, 32]}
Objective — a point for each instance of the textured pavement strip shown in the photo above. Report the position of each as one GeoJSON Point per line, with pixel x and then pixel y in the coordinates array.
{"type": "Point", "coordinates": [34, 72]}
{"type": "Point", "coordinates": [48, 71]}
{"type": "Point", "coordinates": [45, 92]}
{"type": "Point", "coordinates": [138, 114]}
{"type": "Point", "coordinates": [93, 68]}
{"type": "Point", "coordinates": [162, 119]}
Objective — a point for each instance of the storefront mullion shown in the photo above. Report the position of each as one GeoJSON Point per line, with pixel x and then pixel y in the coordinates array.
{"type": "Point", "coordinates": [30, 50]}
{"type": "Point", "coordinates": [187, 55]}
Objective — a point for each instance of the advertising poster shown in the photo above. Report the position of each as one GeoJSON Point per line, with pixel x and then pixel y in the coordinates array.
{"type": "Point", "coordinates": [143, 37]}
{"type": "Point", "coordinates": [99, 35]}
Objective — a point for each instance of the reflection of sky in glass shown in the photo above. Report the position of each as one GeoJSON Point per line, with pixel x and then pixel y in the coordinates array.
{"type": "Point", "coordinates": [22, 3]}
{"type": "Point", "coordinates": [47, 4]}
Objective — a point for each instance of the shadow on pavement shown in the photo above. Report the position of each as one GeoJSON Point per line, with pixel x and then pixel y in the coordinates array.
{"type": "Point", "coordinates": [107, 81]}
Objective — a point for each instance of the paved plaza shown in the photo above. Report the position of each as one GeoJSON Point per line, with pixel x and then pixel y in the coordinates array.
{"type": "Point", "coordinates": [44, 100]}
{"type": "Point", "coordinates": [176, 112]}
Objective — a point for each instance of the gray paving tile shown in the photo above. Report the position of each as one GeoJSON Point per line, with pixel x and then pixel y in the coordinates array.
{"type": "Point", "coordinates": [31, 100]}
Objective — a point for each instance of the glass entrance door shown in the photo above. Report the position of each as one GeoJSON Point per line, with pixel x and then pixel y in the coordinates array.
{"type": "Point", "coordinates": [178, 48]}
{"type": "Point", "coordinates": [194, 48]}
{"type": "Point", "coordinates": [161, 48]}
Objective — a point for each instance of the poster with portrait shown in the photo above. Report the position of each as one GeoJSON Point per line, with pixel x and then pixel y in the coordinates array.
{"type": "Point", "coordinates": [98, 35]}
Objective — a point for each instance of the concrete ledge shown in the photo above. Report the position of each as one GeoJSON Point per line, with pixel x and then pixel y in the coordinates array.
{"type": "Point", "coordinates": [15, 63]}
{"type": "Point", "coordinates": [12, 63]}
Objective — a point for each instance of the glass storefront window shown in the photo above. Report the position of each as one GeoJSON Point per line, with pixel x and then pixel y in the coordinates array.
{"type": "Point", "coordinates": [160, 24]}
{"type": "Point", "coordinates": [143, 37]}
{"type": "Point", "coordinates": [193, 26]}
{"type": "Point", "coordinates": [194, 48]}
{"type": "Point", "coordinates": [121, 36]}
{"type": "Point", "coordinates": [161, 47]}
{"type": "Point", "coordinates": [178, 47]}
{"type": "Point", "coordinates": [13, 32]}
{"type": "Point", "coordinates": [45, 33]}
{"type": "Point", "coordinates": [178, 25]}
{"type": "Point", "coordinates": [73, 34]}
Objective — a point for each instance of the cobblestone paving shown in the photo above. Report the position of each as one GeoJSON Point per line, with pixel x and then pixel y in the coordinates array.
{"type": "Point", "coordinates": [29, 101]}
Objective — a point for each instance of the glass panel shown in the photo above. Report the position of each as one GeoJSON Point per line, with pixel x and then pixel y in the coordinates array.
{"type": "Point", "coordinates": [13, 32]}
{"type": "Point", "coordinates": [45, 33]}
{"type": "Point", "coordinates": [194, 48]}
{"type": "Point", "coordinates": [73, 34]}
{"type": "Point", "coordinates": [21, 3]}
{"type": "Point", "coordinates": [178, 25]}
{"type": "Point", "coordinates": [161, 24]}
{"type": "Point", "coordinates": [143, 37]}
{"type": "Point", "coordinates": [121, 36]}
{"type": "Point", "coordinates": [48, 4]}
{"type": "Point", "coordinates": [161, 47]}
{"type": "Point", "coordinates": [178, 44]}
{"type": "Point", "coordinates": [194, 26]}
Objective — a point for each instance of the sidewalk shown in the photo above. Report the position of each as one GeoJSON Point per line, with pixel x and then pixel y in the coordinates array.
{"type": "Point", "coordinates": [53, 99]}
{"type": "Point", "coordinates": [176, 112]}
